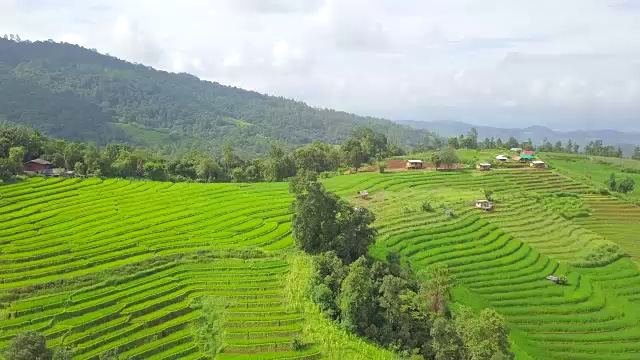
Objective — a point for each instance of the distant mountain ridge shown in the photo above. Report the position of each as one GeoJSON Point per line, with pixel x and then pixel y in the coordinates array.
{"type": "Point", "coordinates": [76, 93]}
{"type": "Point", "coordinates": [626, 140]}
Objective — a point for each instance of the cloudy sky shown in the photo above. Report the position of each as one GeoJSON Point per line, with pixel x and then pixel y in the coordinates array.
{"type": "Point", "coordinates": [561, 63]}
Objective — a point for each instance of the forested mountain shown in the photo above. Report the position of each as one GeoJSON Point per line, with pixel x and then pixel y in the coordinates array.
{"type": "Point", "coordinates": [76, 93]}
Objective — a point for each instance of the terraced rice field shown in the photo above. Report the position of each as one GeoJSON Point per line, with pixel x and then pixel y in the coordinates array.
{"type": "Point", "coordinates": [63, 242]}
{"type": "Point", "coordinates": [97, 265]}
{"type": "Point", "coordinates": [501, 259]}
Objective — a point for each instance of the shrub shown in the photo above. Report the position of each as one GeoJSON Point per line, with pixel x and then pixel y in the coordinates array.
{"type": "Point", "coordinates": [297, 344]}
{"type": "Point", "coordinates": [427, 207]}
{"type": "Point", "coordinates": [28, 345]}
{"type": "Point", "coordinates": [488, 194]}
{"type": "Point", "coordinates": [562, 280]}
{"type": "Point", "coordinates": [382, 166]}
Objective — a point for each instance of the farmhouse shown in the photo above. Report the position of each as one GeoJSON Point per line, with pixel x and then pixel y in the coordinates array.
{"type": "Point", "coordinates": [37, 165]}
{"type": "Point", "coordinates": [484, 204]}
{"type": "Point", "coordinates": [502, 158]}
{"type": "Point", "coordinates": [415, 164]}
{"type": "Point", "coordinates": [483, 167]}
{"type": "Point", "coordinates": [538, 164]}
{"type": "Point", "coordinates": [527, 152]}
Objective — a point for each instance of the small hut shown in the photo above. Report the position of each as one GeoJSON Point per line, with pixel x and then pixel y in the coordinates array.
{"type": "Point", "coordinates": [415, 164]}
{"type": "Point", "coordinates": [484, 205]}
{"type": "Point", "coordinates": [363, 194]}
{"type": "Point", "coordinates": [538, 164]}
{"type": "Point", "coordinates": [502, 158]}
{"type": "Point", "coordinates": [483, 167]}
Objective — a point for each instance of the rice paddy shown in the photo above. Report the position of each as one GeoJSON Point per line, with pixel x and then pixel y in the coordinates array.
{"type": "Point", "coordinates": [116, 264]}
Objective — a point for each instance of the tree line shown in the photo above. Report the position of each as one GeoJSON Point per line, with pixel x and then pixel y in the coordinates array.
{"type": "Point", "coordinates": [385, 301]}
{"type": "Point", "coordinates": [19, 144]}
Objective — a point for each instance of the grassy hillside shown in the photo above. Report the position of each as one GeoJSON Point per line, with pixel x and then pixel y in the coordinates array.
{"type": "Point", "coordinates": [501, 258]}
{"type": "Point", "coordinates": [76, 93]}
{"type": "Point", "coordinates": [98, 265]}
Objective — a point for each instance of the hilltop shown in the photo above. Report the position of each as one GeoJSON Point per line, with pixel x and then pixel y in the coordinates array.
{"type": "Point", "coordinates": [76, 93]}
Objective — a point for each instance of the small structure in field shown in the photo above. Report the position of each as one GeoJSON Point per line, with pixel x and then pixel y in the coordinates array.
{"type": "Point", "coordinates": [516, 149]}
{"type": "Point", "coordinates": [554, 279]}
{"type": "Point", "coordinates": [526, 157]}
{"type": "Point", "coordinates": [483, 167]}
{"type": "Point", "coordinates": [538, 164]}
{"type": "Point", "coordinates": [415, 164]}
{"type": "Point", "coordinates": [528, 152]}
{"type": "Point", "coordinates": [502, 158]}
{"type": "Point", "coordinates": [37, 165]}
{"type": "Point", "coordinates": [69, 174]}
{"type": "Point", "coordinates": [484, 205]}
{"type": "Point", "coordinates": [363, 194]}
{"type": "Point", "coordinates": [50, 172]}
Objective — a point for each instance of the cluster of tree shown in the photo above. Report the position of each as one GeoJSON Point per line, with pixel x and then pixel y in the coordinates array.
{"type": "Point", "coordinates": [596, 148]}
{"type": "Point", "coordinates": [364, 146]}
{"type": "Point", "coordinates": [470, 141]}
{"type": "Point", "coordinates": [636, 153]}
{"type": "Point", "coordinates": [19, 144]}
{"type": "Point", "coordinates": [76, 93]}
{"type": "Point", "coordinates": [570, 147]}
{"type": "Point", "coordinates": [383, 301]}
{"type": "Point", "coordinates": [624, 186]}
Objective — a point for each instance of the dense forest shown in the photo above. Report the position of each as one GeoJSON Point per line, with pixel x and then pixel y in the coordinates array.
{"type": "Point", "coordinates": [79, 94]}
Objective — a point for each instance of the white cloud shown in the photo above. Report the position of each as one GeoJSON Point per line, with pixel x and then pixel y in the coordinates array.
{"type": "Point", "coordinates": [454, 59]}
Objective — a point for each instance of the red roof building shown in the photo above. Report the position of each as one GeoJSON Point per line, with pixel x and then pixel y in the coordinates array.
{"type": "Point", "coordinates": [527, 152]}
{"type": "Point", "coordinates": [37, 165]}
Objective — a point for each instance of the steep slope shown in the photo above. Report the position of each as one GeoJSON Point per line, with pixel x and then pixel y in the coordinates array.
{"type": "Point", "coordinates": [73, 92]}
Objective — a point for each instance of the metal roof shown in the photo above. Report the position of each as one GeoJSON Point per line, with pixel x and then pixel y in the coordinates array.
{"type": "Point", "coordinates": [418, 161]}
{"type": "Point", "coordinates": [40, 161]}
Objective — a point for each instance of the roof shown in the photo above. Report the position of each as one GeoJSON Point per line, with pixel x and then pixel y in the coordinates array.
{"type": "Point", "coordinates": [485, 164]}
{"type": "Point", "coordinates": [50, 172]}
{"type": "Point", "coordinates": [40, 161]}
{"type": "Point", "coordinates": [527, 156]}
{"type": "Point", "coordinates": [528, 152]}
{"type": "Point", "coordinates": [414, 161]}
{"type": "Point", "coordinates": [537, 162]}
{"type": "Point", "coordinates": [516, 149]}
{"type": "Point", "coordinates": [501, 157]}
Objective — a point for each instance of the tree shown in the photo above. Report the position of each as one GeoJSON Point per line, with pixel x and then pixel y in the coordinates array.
{"type": "Point", "coordinates": [356, 299]}
{"type": "Point", "coordinates": [438, 286]}
{"type": "Point", "coordinates": [446, 343]}
{"type": "Point", "coordinates": [447, 156]}
{"type": "Point", "coordinates": [483, 336]}
{"type": "Point", "coordinates": [382, 166]}
{"type": "Point", "coordinates": [626, 185]}
{"type": "Point", "coordinates": [453, 142]}
{"type": "Point", "coordinates": [63, 353]}
{"type": "Point", "coordinates": [28, 345]}
{"type": "Point", "coordinates": [80, 168]}
{"type": "Point", "coordinates": [500, 144]}
{"type": "Point", "coordinates": [155, 171]}
{"type": "Point", "coordinates": [558, 147]}
{"type": "Point", "coordinates": [512, 143]}
{"type": "Point", "coordinates": [207, 169]}
{"type": "Point", "coordinates": [613, 186]}
{"type": "Point", "coordinates": [636, 153]}
{"type": "Point", "coordinates": [353, 153]}
{"type": "Point", "coordinates": [322, 221]}
{"type": "Point", "coordinates": [5, 145]}
{"type": "Point", "coordinates": [569, 147]}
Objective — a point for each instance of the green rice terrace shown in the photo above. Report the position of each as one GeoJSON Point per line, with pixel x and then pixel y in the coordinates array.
{"type": "Point", "coordinates": [102, 264]}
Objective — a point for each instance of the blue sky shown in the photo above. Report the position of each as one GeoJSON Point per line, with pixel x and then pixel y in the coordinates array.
{"type": "Point", "coordinates": [565, 64]}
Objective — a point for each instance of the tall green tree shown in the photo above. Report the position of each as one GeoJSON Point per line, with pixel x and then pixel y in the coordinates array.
{"type": "Point", "coordinates": [357, 300]}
